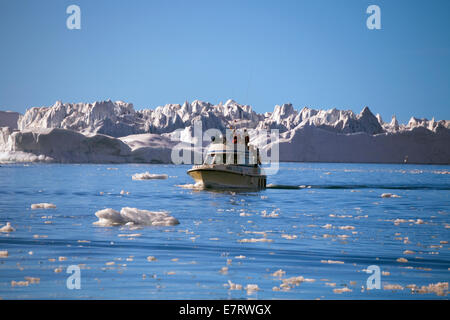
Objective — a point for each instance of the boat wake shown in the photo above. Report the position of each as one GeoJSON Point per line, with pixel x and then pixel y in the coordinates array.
{"type": "Point", "coordinates": [359, 186]}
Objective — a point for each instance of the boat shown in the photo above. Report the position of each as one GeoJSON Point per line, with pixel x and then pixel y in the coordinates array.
{"type": "Point", "coordinates": [235, 165]}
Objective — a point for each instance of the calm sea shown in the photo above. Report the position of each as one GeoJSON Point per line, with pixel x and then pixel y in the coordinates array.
{"type": "Point", "coordinates": [308, 242]}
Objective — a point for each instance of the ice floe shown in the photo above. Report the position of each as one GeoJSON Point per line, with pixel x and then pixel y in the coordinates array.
{"type": "Point", "coordinates": [279, 273]}
{"type": "Point", "coordinates": [390, 195]}
{"type": "Point", "coordinates": [19, 283]}
{"type": "Point", "coordinates": [43, 205]}
{"type": "Point", "coordinates": [342, 290]}
{"type": "Point", "coordinates": [251, 288]}
{"type": "Point", "coordinates": [132, 216]}
{"type": "Point", "coordinates": [148, 176]}
{"type": "Point", "coordinates": [440, 288]}
{"type": "Point", "coordinates": [233, 286]}
{"type": "Point", "coordinates": [393, 287]}
{"type": "Point", "coordinates": [255, 240]}
{"type": "Point", "coordinates": [7, 228]}
{"type": "Point", "coordinates": [332, 261]}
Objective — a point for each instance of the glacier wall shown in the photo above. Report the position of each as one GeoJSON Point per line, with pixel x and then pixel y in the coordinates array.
{"type": "Point", "coordinates": [107, 131]}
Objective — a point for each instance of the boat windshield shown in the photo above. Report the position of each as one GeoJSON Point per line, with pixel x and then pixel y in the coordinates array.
{"type": "Point", "coordinates": [243, 158]}
{"type": "Point", "coordinates": [215, 158]}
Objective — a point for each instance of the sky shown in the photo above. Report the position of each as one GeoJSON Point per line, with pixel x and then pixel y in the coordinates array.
{"type": "Point", "coordinates": [313, 53]}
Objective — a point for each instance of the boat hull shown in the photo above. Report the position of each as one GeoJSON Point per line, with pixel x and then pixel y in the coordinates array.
{"type": "Point", "coordinates": [213, 178]}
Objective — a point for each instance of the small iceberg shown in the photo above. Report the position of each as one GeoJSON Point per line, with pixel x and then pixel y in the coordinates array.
{"type": "Point", "coordinates": [43, 206]}
{"type": "Point", "coordinates": [132, 217]}
{"type": "Point", "coordinates": [148, 176]}
{"type": "Point", "coordinates": [390, 195]}
{"type": "Point", "coordinates": [7, 228]}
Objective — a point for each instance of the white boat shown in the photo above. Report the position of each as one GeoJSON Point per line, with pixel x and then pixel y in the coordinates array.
{"type": "Point", "coordinates": [234, 165]}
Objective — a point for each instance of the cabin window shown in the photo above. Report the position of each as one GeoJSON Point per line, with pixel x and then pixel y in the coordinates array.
{"type": "Point", "coordinates": [220, 158]}
{"type": "Point", "coordinates": [209, 158]}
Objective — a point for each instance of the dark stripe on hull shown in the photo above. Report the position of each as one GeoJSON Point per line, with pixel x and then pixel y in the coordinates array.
{"type": "Point", "coordinates": [227, 179]}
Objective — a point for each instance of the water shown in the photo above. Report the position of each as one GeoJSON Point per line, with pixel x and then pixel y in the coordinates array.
{"type": "Point", "coordinates": [338, 214]}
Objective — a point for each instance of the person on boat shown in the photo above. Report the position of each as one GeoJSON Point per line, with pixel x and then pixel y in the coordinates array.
{"type": "Point", "coordinates": [246, 139]}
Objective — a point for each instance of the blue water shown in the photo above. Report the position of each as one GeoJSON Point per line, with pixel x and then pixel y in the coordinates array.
{"type": "Point", "coordinates": [191, 255]}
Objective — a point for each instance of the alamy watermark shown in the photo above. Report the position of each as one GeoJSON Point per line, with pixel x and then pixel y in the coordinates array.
{"type": "Point", "coordinates": [74, 280]}
{"type": "Point", "coordinates": [74, 20]}
{"type": "Point", "coordinates": [374, 20]}
{"type": "Point", "coordinates": [373, 281]}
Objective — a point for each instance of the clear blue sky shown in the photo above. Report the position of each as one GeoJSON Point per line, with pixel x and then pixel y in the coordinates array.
{"type": "Point", "coordinates": [259, 52]}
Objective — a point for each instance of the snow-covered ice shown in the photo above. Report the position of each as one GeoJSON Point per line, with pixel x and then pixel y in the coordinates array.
{"type": "Point", "coordinates": [148, 176]}
{"type": "Point", "coordinates": [133, 216]}
{"type": "Point", "coordinates": [114, 132]}
{"type": "Point", "coordinates": [43, 205]}
{"type": "Point", "coordinates": [7, 228]}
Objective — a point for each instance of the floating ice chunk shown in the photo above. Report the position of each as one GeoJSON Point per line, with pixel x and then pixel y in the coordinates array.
{"type": "Point", "coordinates": [40, 236]}
{"type": "Point", "coordinates": [279, 273]}
{"type": "Point", "coordinates": [148, 218]}
{"type": "Point", "coordinates": [223, 270]}
{"type": "Point", "coordinates": [147, 176]}
{"type": "Point", "coordinates": [133, 216]}
{"type": "Point", "coordinates": [393, 287]}
{"type": "Point", "coordinates": [255, 240]}
{"type": "Point", "coordinates": [293, 281]}
{"type": "Point", "coordinates": [251, 288]}
{"type": "Point", "coordinates": [19, 283]}
{"type": "Point", "coordinates": [347, 227]}
{"type": "Point", "coordinates": [440, 288]}
{"type": "Point", "coordinates": [390, 195]}
{"type": "Point", "coordinates": [109, 217]}
{"type": "Point", "coordinates": [273, 214]}
{"type": "Point", "coordinates": [43, 206]}
{"type": "Point", "coordinates": [289, 237]}
{"type": "Point", "coordinates": [233, 286]}
{"type": "Point", "coordinates": [402, 260]}
{"type": "Point", "coordinates": [7, 228]}
{"type": "Point", "coordinates": [33, 280]}
{"type": "Point", "coordinates": [339, 291]}
{"type": "Point", "coordinates": [398, 221]}
{"type": "Point", "coordinates": [442, 172]}
{"type": "Point", "coordinates": [332, 261]}
{"type": "Point", "coordinates": [151, 258]}
{"type": "Point", "coordinates": [132, 235]}
{"type": "Point", "coordinates": [244, 214]}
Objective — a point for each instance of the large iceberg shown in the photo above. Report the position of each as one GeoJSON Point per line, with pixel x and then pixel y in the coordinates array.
{"type": "Point", "coordinates": [107, 131]}
{"type": "Point", "coordinates": [9, 119]}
